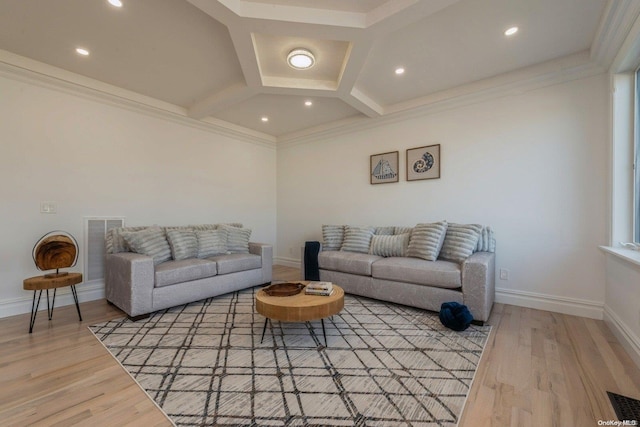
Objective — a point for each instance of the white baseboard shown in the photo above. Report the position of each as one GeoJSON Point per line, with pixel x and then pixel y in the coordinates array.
{"type": "Point", "coordinates": [287, 262]}
{"type": "Point", "coordinates": [564, 305]}
{"type": "Point", "coordinates": [629, 340]}
{"type": "Point", "coordinates": [86, 292]}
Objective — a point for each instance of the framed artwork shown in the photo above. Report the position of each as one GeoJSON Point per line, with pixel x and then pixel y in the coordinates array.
{"type": "Point", "coordinates": [384, 168]}
{"type": "Point", "coordinates": [423, 162]}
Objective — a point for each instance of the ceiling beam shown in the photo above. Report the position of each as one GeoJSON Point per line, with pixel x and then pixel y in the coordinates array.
{"type": "Point", "coordinates": [397, 14]}
{"type": "Point", "coordinates": [362, 103]}
{"type": "Point", "coordinates": [356, 57]}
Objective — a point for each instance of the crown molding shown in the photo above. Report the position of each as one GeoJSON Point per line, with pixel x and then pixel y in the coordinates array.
{"type": "Point", "coordinates": [19, 68]}
{"type": "Point", "coordinates": [569, 68]}
{"type": "Point", "coordinates": [616, 22]}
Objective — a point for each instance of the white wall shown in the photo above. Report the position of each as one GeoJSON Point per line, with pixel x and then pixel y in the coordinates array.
{"type": "Point", "coordinates": [96, 159]}
{"type": "Point", "coordinates": [532, 165]}
{"type": "Point", "coordinates": [622, 310]}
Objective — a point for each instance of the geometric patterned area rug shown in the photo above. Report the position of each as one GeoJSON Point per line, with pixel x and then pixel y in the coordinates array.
{"type": "Point", "coordinates": [384, 365]}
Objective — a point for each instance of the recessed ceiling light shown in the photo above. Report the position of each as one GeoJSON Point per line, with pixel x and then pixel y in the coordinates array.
{"type": "Point", "coordinates": [116, 3]}
{"type": "Point", "coordinates": [265, 119]}
{"type": "Point", "coordinates": [308, 103]}
{"type": "Point", "coordinates": [82, 51]}
{"type": "Point", "coordinates": [301, 59]}
{"type": "Point", "coordinates": [511, 31]}
{"type": "Point", "coordinates": [399, 70]}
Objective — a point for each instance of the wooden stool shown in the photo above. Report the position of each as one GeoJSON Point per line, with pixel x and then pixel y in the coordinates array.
{"type": "Point", "coordinates": [51, 281]}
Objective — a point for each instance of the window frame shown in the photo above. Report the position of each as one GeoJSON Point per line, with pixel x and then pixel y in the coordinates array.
{"type": "Point", "coordinates": [636, 157]}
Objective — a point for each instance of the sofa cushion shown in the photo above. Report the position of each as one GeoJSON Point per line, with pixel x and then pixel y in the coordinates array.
{"type": "Point", "coordinates": [426, 240]}
{"type": "Point", "coordinates": [237, 238]}
{"type": "Point", "coordinates": [183, 243]}
{"type": "Point", "coordinates": [460, 241]}
{"type": "Point", "coordinates": [232, 263]}
{"type": "Point", "coordinates": [332, 236]}
{"type": "Point", "coordinates": [172, 272]}
{"type": "Point", "coordinates": [151, 242]}
{"type": "Point", "coordinates": [211, 243]}
{"type": "Point", "coordinates": [357, 239]}
{"type": "Point", "coordinates": [441, 274]}
{"type": "Point", "coordinates": [386, 245]}
{"type": "Point", "coordinates": [347, 262]}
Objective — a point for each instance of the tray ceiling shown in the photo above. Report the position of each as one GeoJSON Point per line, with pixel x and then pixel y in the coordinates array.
{"type": "Point", "coordinates": [226, 59]}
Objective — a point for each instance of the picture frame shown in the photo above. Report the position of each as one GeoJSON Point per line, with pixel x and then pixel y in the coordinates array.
{"type": "Point", "coordinates": [423, 162]}
{"type": "Point", "coordinates": [384, 167]}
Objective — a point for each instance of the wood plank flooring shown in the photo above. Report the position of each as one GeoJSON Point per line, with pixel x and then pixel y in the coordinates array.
{"type": "Point", "coordinates": [538, 369]}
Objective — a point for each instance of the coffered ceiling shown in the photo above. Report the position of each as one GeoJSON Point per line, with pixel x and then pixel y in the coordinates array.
{"type": "Point", "coordinates": [224, 61]}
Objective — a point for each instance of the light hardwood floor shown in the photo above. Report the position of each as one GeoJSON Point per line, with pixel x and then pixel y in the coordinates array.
{"type": "Point", "coordinates": [538, 369]}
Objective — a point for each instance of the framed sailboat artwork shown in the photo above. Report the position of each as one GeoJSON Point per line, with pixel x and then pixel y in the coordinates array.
{"type": "Point", "coordinates": [384, 168]}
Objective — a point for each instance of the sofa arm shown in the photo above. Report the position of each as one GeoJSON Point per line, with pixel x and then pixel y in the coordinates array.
{"type": "Point", "coordinates": [266, 252]}
{"type": "Point", "coordinates": [478, 284]}
{"type": "Point", "coordinates": [129, 281]}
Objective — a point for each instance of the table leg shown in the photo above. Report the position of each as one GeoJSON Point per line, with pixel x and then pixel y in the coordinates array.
{"type": "Point", "coordinates": [75, 298]}
{"type": "Point", "coordinates": [34, 310]}
{"type": "Point", "coordinates": [324, 332]}
{"type": "Point", "coordinates": [48, 309]}
{"type": "Point", "coordinates": [264, 329]}
{"type": "Point", "coordinates": [53, 303]}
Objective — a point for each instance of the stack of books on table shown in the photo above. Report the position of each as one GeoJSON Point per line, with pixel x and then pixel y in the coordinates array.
{"type": "Point", "coordinates": [319, 288]}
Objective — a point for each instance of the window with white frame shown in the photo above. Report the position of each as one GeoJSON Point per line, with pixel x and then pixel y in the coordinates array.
{"type": "Point", "coordinates": [636, 163]}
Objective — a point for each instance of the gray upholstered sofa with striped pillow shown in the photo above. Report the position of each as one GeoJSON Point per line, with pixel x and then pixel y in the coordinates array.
{"type": "Point", "coordinates": [153, 268]}
{"type": "Point", "coordinates": [422, 266]}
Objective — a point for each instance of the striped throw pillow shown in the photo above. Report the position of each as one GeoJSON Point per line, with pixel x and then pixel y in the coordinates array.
{"type": "Point", "coordinates": [357, 239]}
{"type": "Point", "coordinates": [332, 236]}
{"type": "Point", "coordinates": [389, 245]}
{"type": "Point", "coordinates": [211, 243]}
{"type": "Point", "coordinates": [115, 243]}
{"type": "Point", "coordinates": [184, 244]}
{"type": "Point", "coordinates": [237, 239]}
{"type": "Point", "coordinates": [486, 241]}
{"type": "Point", "coordinates": [384, 231]}
{"type": "Point", "coordinates": [426, 240]}
{"type": "Point", "coordinates": [460, 241]}
{"type": "Point", "coordinates": [151, 242]}
{"type": "Point", "coordinates": [402, 230]}
{"type": "Point", "coordinates": [203, 227]}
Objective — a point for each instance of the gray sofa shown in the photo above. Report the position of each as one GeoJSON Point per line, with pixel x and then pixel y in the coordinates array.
{"type": "Point", "coordinates": [415, 281]}
{"type": "Point", "coordinates": [138, 284]}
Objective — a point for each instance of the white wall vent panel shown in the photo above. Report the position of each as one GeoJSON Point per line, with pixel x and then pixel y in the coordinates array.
{"type": "Point", "coordinates": [95, 228]}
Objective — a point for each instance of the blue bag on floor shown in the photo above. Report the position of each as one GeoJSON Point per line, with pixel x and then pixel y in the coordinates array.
{"type": "Point", "coordinates": [455, 316]}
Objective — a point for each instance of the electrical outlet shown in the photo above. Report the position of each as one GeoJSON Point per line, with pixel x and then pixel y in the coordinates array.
{"type": "Point", "coordinates": [290, 251]}
{"type": "Point", "coordinates": [48, 207]}
{"type": "Point", "coordinates": [504, 274]}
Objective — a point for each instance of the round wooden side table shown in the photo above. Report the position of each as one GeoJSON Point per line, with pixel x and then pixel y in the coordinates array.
{"type": "Point", "coordinates": [51, 281]}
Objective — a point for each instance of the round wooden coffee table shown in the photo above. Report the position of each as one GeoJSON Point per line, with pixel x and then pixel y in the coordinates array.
{"type": "Point", "coordinates": [300, 307]}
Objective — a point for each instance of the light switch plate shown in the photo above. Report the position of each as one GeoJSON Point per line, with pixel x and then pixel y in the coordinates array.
{"type": "Point", "coordinates": [48, 207]}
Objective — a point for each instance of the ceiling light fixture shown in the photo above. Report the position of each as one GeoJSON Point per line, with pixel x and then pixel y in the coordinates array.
{"type": "Point", "coordinates": [511, 31]}
{"type": "Point", "coordinates": [116, 3]}
{"type": "Point", "coordinates": [265, 119]}
{"type": "Point", "coordinates": [308, 103]}
{"type": "Point", "coordinates": [301, 59]}
{"type": "Point", "coordinates": [82, 51]}
{"type": "Point", "coordinates": [399, 70]}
